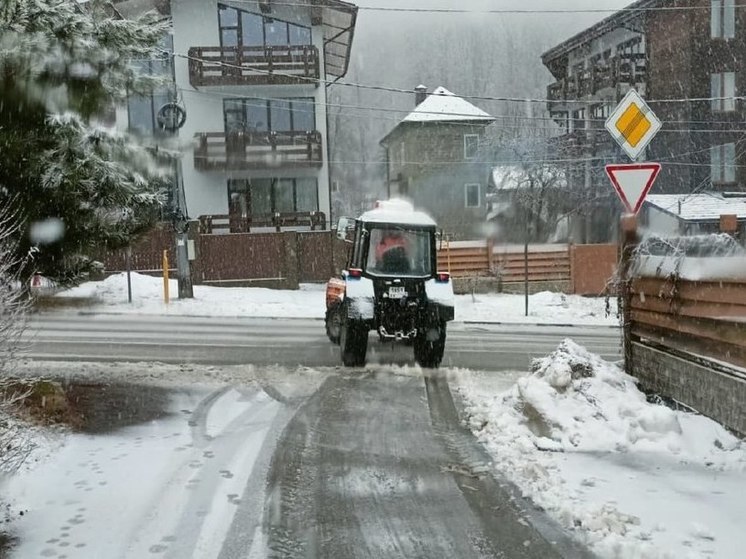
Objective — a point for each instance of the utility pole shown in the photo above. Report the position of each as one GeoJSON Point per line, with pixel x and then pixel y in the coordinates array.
{"type": "Point", "coordinates": [181, 225]}
{"type": "Point", "coordinates": [171, 117]}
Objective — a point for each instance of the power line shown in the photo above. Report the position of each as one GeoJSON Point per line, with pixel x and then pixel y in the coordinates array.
{"type": "Point", "coordinates": [230, 96]}
{"type": "Point", "coordinates": [390, 89]}
{"type": "Point", "coordinates": [506, 11]}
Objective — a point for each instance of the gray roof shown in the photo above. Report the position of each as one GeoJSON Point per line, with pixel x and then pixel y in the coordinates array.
{"type": "Point", "coordinates": [705, 206]}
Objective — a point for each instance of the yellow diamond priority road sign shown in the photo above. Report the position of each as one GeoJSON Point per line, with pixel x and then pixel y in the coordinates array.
{"type": "Point", "coordinates": [633, 124]}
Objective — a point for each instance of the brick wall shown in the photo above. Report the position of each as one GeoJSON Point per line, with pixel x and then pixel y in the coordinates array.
{"type": "Point", "coordinates": [592, 268]}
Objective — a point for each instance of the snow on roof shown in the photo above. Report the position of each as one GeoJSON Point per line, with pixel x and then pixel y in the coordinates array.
{"type": "Point", "coordinates": [698, 207]}
{"type": "Point", "coordinates": [442, 105]}
{"type": "Point", "coordinates": [399, 212]}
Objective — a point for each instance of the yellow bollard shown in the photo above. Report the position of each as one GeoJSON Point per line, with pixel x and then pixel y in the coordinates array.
{"type": "Point", "coordinates": [165, 276]}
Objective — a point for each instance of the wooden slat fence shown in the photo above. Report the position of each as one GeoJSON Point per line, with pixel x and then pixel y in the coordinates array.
{"type": "Point", "coordinates": [474, 259]}
{"type": "Point", "coordinates": [705, 317]}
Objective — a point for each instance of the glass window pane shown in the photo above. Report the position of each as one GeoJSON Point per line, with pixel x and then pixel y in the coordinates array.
{"type": "Point", "coordinates": [261, 197]}
{"type": "Point", "coordinates": [299, 35]}
{"type": "Point", "coordinates": [229, 37]}
{"type": "Point", "coordinates": [716, 12]}
{"type": "Point", "coordinates": [472, 196]}
{"type": "Point", "coordinates": [279, 115]}
{"type": "Point", "coordinates": [715, 91]}
{"type": "Point", "coordinates": [729, 155]}
{"type": "Point", "coordinates": [399, 252]}
{"type": "Point", "coordinates": [729, 91]}
{"type": "Point", "coordinates": [306, 195]}
{"type": "Point", "coordinates": [252, 30]}
{"type": "Point", "coordinates": [140, 114]}
{"type": "Point", "coordinates": [471, 146]}
{"type": "Point", "coordinates": [716, 168]}
{"type": "Point", "coordinates": [275, 32]}
{"type": "Point", "coordinates": [303, 114]}
{"type": "Point", "coordinates": [256, 115]}
{"type": "Point", "coordinates": [729, 19]}
{"type": "Point", "coordinates": [284, 196]}
{"type": "Point", "coordinates": [228, 16]}
{"type": "Point", "coordinates": [238, 196]}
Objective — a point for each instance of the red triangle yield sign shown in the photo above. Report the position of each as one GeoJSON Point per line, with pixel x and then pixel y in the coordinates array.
{"type": "Point", "coordinates": [633, 182]}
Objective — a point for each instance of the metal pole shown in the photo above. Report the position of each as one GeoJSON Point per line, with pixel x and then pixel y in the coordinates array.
{"type": "Point", "coordinates": [525, 265]}
{"type": "Point", "coordinates": [165, 277]}
{"type": "Point", "coordinates": [129, 275]}
{"type": "Point", "coordinates": [184, 273]}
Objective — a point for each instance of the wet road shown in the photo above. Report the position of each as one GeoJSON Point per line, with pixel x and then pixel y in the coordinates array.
{"type": "Point", "coordinates": [353, 464]}
{"type": "Point", "coordinates": [288, 342]}
{"type": "Point", "coordinates": [303, 462]}
{"type": "Point", "coordinates": [377, 466]}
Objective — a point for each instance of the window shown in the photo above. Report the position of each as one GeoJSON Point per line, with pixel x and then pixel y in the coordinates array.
{"type": "Point", "coordinates": [263, 115]}
{"type": "Point", "coordinates": [261, 197]}
{"type": "Point", "coordinates": [241, 28]}
{"type": "Point", "coordinates": [723, 163]}
{"type": "Point", "coordinates": [471, 146]}
{"type": "Point", "coordinates": [142, 110]}
{"type": "Point", "coordinates": [397, 251]}
{"type": "Point", "coordinates": [723, 91]}
{"type": "Point", "coordinates": [723, 19]}
{"type": "Point", "coordinates": [600, 111]}
{"type": "Point", "coordinates": [472, 196]}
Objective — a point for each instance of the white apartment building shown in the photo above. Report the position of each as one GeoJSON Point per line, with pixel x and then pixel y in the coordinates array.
{"type": "Point", "coordinates": [252, 76]}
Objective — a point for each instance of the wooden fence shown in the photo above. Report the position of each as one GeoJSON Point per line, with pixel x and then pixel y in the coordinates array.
{"type": "Point", "coordinates": [685, 330]}
{"type": "Point", "coordinates": [505, 262]}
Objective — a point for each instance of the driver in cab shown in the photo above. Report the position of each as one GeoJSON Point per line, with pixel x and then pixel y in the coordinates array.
{"type": "Point", "coordinates": [392, 254]}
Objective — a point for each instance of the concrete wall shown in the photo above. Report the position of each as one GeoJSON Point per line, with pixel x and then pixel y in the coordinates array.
{"type": "Point", "coordinates": [711, 392]}
{"type": "Point", "coordinates": [195, 23]}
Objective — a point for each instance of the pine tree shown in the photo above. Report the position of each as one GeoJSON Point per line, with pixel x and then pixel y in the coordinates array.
{"type": "Point", "coordinates": [64, 66]}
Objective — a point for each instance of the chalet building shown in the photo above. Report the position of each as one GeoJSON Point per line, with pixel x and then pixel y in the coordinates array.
{"type": "Point", "coordinates": [433, 159]}
{"type": "Point", "coordinates": [666, 55]}
{"type": "Point", "coordinates": [252, 75]}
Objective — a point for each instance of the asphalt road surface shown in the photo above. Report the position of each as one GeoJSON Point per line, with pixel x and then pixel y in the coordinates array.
{"type": "Point", "coordinates": [369, 463]}
{"type": "Point", "coordinates": [289, 342]}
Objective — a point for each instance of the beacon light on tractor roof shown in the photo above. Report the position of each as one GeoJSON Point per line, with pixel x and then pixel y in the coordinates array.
{"type": "Point", "coordinates": [443, 277]}
{"type": "Point", "coordinates": [355, 273]}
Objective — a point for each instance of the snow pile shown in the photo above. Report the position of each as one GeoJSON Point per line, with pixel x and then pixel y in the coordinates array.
{"type": "Point", "coordinates": [147, 298]}
{"type": "Point", "coordinates": [576, 401]}
{"type": "Point", "coordinates": [545, 307]}
{"type": "Point", "coordinates": [575, 432]}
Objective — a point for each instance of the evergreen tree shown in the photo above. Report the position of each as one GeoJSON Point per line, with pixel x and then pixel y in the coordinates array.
{"type": "Point", "coordinates": [79, 185]}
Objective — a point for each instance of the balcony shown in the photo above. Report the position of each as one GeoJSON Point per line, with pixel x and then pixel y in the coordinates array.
{"type": "Point", "coordinates": [235, 223]}
{"type": "Point", "coordinates": [217, 151]}
{"type": "Point", "coordinates": [626, 69]}
{"type": "Point", "coordinates": [273, 65]}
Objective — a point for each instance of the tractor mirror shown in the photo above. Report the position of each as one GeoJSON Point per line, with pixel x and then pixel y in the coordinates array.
{"type": "Point", "coordinates": [345, 228]}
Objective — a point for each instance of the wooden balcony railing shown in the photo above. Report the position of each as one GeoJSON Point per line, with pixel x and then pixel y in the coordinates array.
{"type": "Point", "coordinates": [628, 69]}
{"type": "Point", "coordinates": [217, 151]}
{"type": "Point", "coordinates": [234, 223]}
{"type": "Point", "coordinates": [273, 65]}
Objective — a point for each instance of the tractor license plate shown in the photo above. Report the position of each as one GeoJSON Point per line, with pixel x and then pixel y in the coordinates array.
{"type": "Point", "coordinates": [397, 293]}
